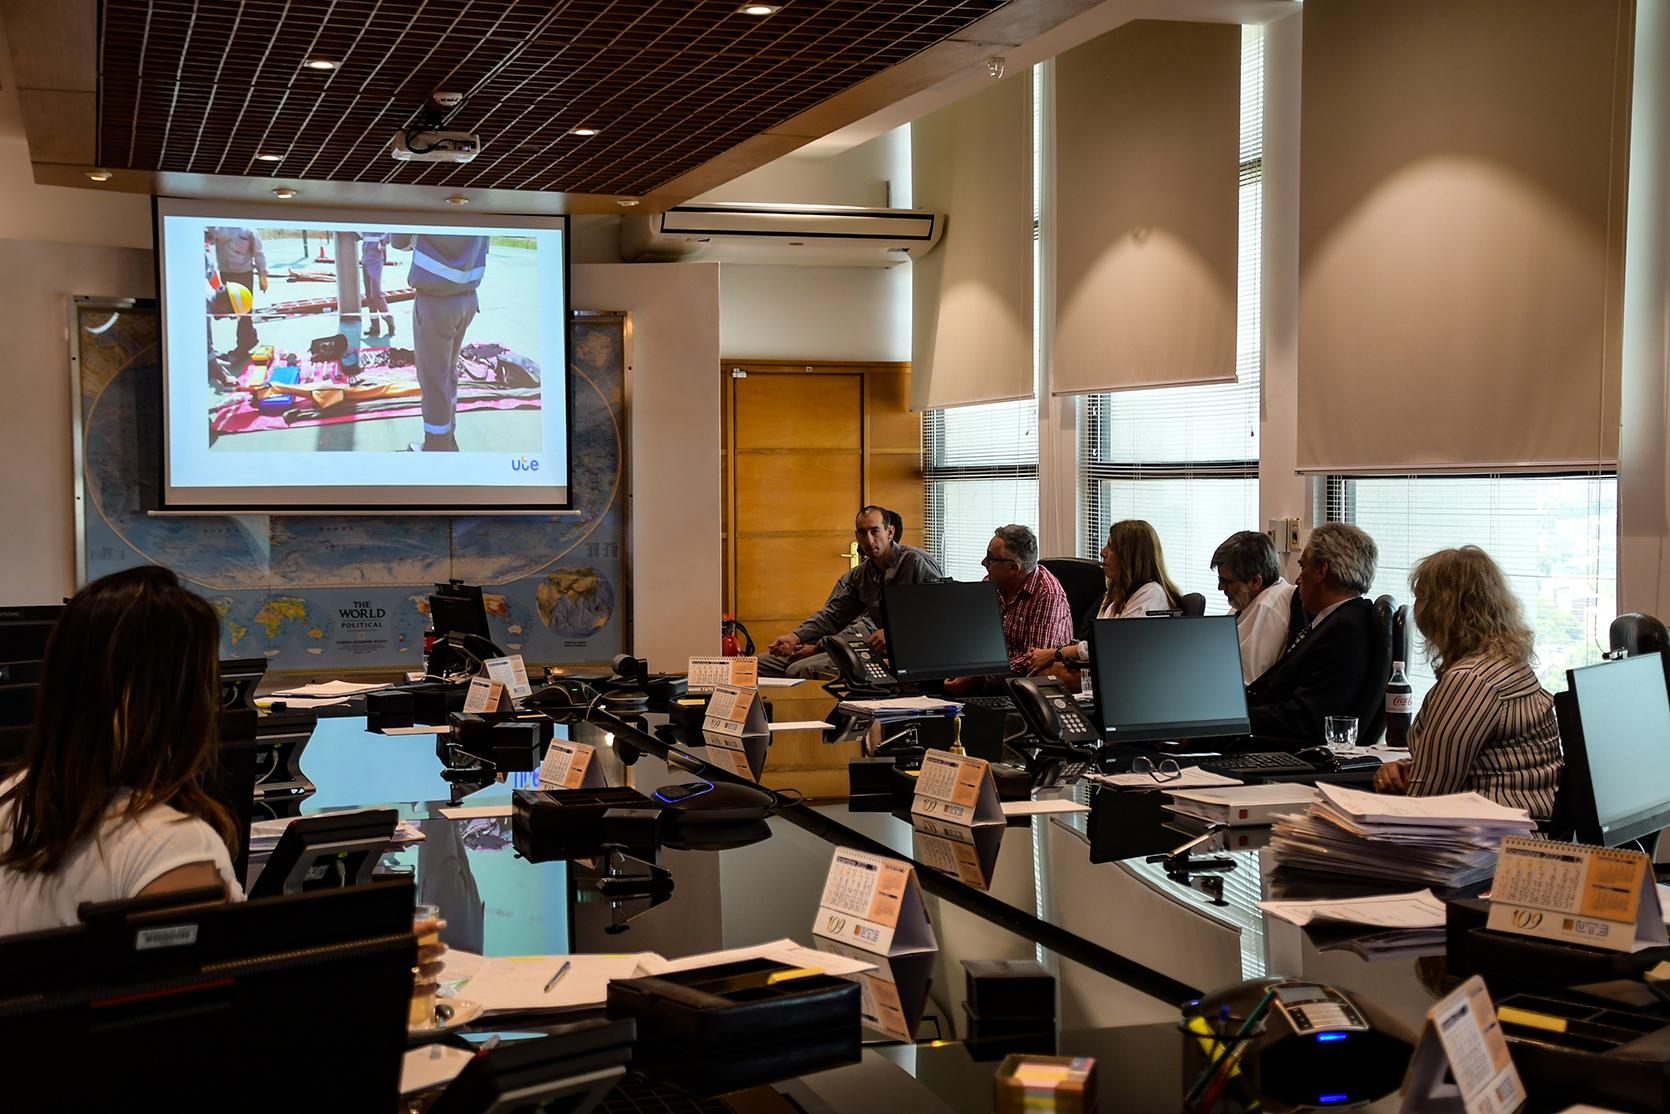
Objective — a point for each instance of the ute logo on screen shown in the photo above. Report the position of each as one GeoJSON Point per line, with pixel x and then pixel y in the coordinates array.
{"type": "Point", "coordinates": [332, 359]}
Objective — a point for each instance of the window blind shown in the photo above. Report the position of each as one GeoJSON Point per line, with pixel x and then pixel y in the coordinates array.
{"type": "Point", "coordinates": [1555, 538]}
{"type": "Point", "coordinates": [1145, 265]}
{"type": "Point", "coordinates": [1186, 458]}
{"type": "Point", "coordinates": [1461, 234]}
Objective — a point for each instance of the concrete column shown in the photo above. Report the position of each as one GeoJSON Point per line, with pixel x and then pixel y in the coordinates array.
{"type": "Point", "coordinates": [348, 293]}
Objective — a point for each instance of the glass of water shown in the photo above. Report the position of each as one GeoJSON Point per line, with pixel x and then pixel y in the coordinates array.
{"type": "Point", "coordinates": [1341, 732]}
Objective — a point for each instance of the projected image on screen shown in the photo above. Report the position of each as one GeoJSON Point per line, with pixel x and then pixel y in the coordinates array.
{"type": "Point", "coordinates": [359, 360]}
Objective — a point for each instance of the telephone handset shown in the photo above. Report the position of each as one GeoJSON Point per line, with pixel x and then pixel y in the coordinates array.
{"type": "Point", "coordinates": [1051, 713]}
{"type": "Point", "coordinates": [859, 666]}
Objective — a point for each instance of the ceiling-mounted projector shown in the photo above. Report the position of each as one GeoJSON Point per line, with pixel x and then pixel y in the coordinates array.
{"type": "Point", "coordinates": [435, 145]}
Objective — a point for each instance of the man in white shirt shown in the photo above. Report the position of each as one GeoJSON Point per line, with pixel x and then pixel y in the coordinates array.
{"type": "Point", "coordinates": [1249, 576]}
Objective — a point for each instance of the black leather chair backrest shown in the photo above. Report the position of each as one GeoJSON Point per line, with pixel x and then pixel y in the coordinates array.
{"type": "Point", "coordinates": [1371, 698]}
{"type": "Point", "coordinates": [1085, 586]}
{"type": "Point", "coordinates": [1193, 604]}
{"type": "Point", "coordinates": [1635, 633]}
{"type": "Point", "coordinates": [1400, 635]}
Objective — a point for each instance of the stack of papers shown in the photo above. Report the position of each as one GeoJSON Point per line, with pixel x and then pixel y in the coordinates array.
{"type": "Point", "coordinates": [1241, 805]}
{"type": "Point", "coordinates": [1405, 925]}
{"type": "Point", "coordinates": [264, 834]}
{"type": "Point", "coordinates": [902, 707]}
{"type": "Point", "coordinates": [1446, 841]}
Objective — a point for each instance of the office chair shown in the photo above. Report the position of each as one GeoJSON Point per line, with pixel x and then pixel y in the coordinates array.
{"type": "Point", "coordinates": [1635, 633]}
{"type": "Point", "coordinates": [1085, 586]}
{"type": "Point", "coordinates": [1371, 698]}
{"type": "Point", "coordinates": [1193, 604]}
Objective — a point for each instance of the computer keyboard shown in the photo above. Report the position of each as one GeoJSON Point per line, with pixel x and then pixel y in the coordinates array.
{"type": "Point", "coordinates": [1261, 763]}
{"type": "Point", "coordinates": [993, 703]}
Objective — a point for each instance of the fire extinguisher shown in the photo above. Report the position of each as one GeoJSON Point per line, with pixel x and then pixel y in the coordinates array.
{"type": "Point", "coordinates": [735, 641]}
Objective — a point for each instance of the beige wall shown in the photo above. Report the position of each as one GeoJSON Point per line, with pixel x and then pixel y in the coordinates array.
{"type": "Point", "coordinates": [673, 428]}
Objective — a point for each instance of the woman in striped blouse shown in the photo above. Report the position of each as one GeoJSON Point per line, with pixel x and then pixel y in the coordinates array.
{"type": "Point", "coordinates": [1488, 725]}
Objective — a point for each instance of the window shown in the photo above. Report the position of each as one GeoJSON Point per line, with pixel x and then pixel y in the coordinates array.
{"type": "Point", "coordinates": [1554, 536]}
{"type": "Point", "coordinates": [1186, 458]}
{"type": "Point", "coordinates": [981, 464]}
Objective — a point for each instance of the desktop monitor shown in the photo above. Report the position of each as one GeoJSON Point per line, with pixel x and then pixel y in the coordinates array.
{"type": "Point", "coordinates": [1169, 678]}
{"type": "Point", "coordinates": [327, 851]}
{"type": "Point", "coordinates": [253, 1005]}
{"type": "Point", "coordinates": [1615, 731]}
{"type": "Point", "coordinates": [24, 631]}
{"type": "Point", "coordinates": [458, 608]}
{"type": "Point", "coordinates": [944, 629]}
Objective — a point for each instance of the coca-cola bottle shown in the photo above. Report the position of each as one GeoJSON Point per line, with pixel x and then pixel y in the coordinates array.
{"type": "Point", "coordinates": [1400, 707]}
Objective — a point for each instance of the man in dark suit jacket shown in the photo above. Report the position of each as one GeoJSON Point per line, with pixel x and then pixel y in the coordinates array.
{"type": "Point", "coordinates": [1325, 668]}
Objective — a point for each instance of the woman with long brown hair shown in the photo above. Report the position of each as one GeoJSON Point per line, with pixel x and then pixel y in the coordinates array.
{"type": "Point", "coordinates": [1135, 567]}
{"type": "Point", "coordinates": [1488, 725]}
{"type": "Point", "coordinates": [110, 801]}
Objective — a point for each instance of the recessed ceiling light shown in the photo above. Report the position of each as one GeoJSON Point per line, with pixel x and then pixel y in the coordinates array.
{"type": "Point", "coordinates": [582, 131]}
{"type": "Point", "coordinates": [457, 199]}
{"type": "Point", "coordinates": [626, 202]}
{"type": "Point", "coordinates": [759, 9]}
{"type": "Point", "coordinates": [284, 192]}
{"type": "Point", "coordinates": [264, 157]}
{"type": "Point", "coordinates": [322, 64]}
{"type": "Point", "coordinates": [100, 175]}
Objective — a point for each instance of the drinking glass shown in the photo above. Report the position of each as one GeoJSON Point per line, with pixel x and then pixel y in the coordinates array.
{"type": "Point", "coordinates": [1341, 732]}
{"type": "Point", "coordinates": [426, 983]}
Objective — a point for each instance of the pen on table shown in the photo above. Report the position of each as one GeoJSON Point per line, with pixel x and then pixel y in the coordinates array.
{"type": "Point", "coordinates": [561, 971]}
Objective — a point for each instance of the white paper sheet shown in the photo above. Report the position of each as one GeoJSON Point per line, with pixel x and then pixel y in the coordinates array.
{"type": "Point", "coordinates": [1442, 810]}
{"type": "Point", "coordinates": [1038, 808]}
{"type": "Point", "coordinates": [783, 951]}
{"type": "Point", "coordinates": [901, 705]}
{"type": "Point", "coordinates": [1193, 777]}
{"type": "Point", "coordinates": [419, 729]}
{"type": "Point", "coordinates": [799, 725]}
{"type": "Point", "coordinates": [336, 689]}
{"type": "Point", "coordinates": [780, 682]}
{"type": "Point", "coordinates": [1419, 909]}
{"type": "Point", "coordinates": [504, 984]}
{"type": "Point", "coordinates": [433, 1065]}
{"type": "Point", "coordinates": [473, 812]}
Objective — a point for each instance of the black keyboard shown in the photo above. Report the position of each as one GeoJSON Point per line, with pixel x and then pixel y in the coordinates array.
{"type": "Point", "coordinates": [993, 703]}
{"type": "Point", "coordinates": [1264, 763]}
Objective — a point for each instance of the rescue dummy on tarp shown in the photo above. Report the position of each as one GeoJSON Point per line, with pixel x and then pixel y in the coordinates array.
{"type": "Point", "coordinates": [283, 390]}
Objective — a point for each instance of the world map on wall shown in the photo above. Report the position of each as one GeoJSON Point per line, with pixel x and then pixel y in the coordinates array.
{"type": "Point", "coordinates": [308, 592]}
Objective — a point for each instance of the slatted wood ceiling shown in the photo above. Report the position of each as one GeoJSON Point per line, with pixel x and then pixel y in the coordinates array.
{"type": "Point", "coordinates": [202, 86]}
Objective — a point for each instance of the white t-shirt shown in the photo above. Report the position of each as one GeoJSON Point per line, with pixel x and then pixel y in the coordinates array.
{"type": "Point", "coordinates": [125, 857]}
{"type": "Point", "coordinates": [1149, 597]}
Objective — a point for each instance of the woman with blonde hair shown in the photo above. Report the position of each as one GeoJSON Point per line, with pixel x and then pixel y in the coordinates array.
{"type": "Point", "coordinates": [1488, 725]}
{"type": "Point", "coordinates": [1138, 583]}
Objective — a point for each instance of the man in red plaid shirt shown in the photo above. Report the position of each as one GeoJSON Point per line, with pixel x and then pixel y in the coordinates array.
{"type": "Point", "coordinates": [1033, 603]}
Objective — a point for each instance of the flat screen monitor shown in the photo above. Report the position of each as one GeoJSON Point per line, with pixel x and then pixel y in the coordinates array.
{"type": "Point", "coordinates": [1615, 731]}
{"type": "Point", "coordinates": [944, 629]}
{"type": "Point", "coordinates": [457, 608]}
{"type": "Point", "coordinates": [1168, 678]}
{"type": "Point", "coordinates": [303, 390]}
{"type": "Point", "coordinates": [311, 988]}
{"type": "Point", "coordinates": [24, 631]}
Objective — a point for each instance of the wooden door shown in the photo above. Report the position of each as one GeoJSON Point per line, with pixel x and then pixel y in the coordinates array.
{"type": "Point", "coordinates": [805, 447]}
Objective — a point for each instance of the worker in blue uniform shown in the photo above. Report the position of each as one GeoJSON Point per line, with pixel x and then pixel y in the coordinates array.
{"type": "Point", "coordinates": [446, 270]}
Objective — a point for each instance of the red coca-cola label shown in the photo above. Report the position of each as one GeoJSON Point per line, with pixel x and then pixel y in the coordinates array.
{"type": "Point", "coordinates": [1400, 703]}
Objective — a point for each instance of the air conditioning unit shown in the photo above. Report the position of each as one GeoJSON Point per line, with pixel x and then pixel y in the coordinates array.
{"type": "Point", "coordinates": [811, 235]}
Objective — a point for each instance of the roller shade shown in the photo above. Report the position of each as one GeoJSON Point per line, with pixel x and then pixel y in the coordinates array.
{"type": "Point", "coordinates": [1147, 130]}
{"type": "Point", "coordinates": [1462, 178]}
{"type": "Point", "coordinates": [971, 297]}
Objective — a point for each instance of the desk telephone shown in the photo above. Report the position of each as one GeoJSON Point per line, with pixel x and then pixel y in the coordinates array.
{"type": "Point", "coordinates": [859, 666]}
{"type": "Point", "coordinates": [1051, 713]}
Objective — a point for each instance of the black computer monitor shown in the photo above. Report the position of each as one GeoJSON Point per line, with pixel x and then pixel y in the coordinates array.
{"type": "Point", "coordinates": [1615, 731]}
{"type": "Point", "coordinates": [1168, 678]}
{"type": "Point", "coordinates": [458, 608]}
{"type": "Point", "coordinates": [944, 629]}
{"type": "Point", "coordinates": [247, 1005]}
{"type": "Point", "coordinates": [24, 631]}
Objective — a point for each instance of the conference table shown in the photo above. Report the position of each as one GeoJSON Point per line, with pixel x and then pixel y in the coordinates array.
{"type": "Point", "coordinates": [1126, 940]}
